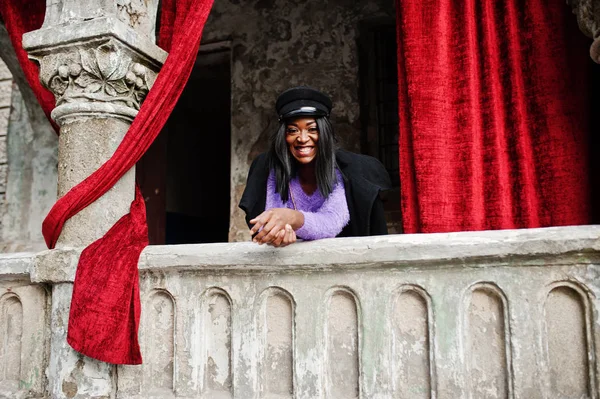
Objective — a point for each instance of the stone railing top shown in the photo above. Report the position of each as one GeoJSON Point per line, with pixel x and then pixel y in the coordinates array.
{"type": "Point", "coordinates": [16, 264]}
{"type": "Point", "coordinates": [526, 247]}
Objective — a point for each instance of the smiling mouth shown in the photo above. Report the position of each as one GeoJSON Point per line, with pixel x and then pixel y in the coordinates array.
{"type": "Point", "coordinates": [304, 150]}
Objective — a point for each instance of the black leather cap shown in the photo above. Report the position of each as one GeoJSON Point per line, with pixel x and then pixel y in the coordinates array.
{"type": "Point", "coordinates": [302, 101]}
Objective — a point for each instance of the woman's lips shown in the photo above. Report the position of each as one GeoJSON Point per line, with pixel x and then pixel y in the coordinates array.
{"type": "Point", "coordinates": [304, 151]}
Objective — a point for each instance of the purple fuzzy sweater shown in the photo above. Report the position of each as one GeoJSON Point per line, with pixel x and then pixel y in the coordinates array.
{"type": "Point", "coordinates": [323, 217]}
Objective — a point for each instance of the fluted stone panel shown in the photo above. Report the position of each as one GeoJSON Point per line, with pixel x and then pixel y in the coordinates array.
{"type": "Point", "coordinates": [412, 351]}
{"type": "Point", "coordinates": [158, 343]}
{"type": "Point", "coordinates": [568, 341]}
{"type": "Point", "coordinates": [276, 329]}
{"type": "Point", "coordinates": [24, 330]}
{"type": "Point", "coordinates": [486, 343]}
{"type": "Point", "coordinates": [342, 358]}
{"type": "Point", "coordinates": [217, 345]}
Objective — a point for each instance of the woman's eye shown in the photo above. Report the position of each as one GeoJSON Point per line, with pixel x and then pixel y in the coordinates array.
{"type": "Point", "coordinates": [291, 131]}
{"type": "Point", "coordinates": [313, 129]}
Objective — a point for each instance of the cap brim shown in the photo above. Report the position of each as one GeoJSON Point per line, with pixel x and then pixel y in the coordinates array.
{"type": "Point", "coordinates": [303, 108]}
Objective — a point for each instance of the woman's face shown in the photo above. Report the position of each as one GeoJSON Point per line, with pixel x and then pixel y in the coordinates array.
{"type": "Point", "coordinates": [302, 136]}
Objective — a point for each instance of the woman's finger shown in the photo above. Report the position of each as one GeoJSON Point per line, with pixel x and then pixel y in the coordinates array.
{"type": "Point", "coordinates": [258, 237]}
{"type": "Point", "coordinates": [271, 229]}
{"type": "Point", "coordinates": [278, 239]}
{"type": "Point", "coordinates": [257, 225]}
{"type": "Point", "coordinates": [286, 238]}
{"type": "Point", "coordinates": [256, 219]}
{"type": "Point", "coordinates": [260, 221]}
{"type": "Point", "coordinates": [288, 235]}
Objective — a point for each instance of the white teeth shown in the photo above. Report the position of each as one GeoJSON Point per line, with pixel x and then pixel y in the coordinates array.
{"type": "Point", "coordinates": [304, 150]}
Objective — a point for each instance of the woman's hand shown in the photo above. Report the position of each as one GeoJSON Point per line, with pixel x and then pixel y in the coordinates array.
{"type": "Point", "coordinates": [271, 226]}
{"type": "Point", "coordinates": [284, 238]}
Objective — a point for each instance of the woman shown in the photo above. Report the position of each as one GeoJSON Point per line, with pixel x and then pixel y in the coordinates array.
{"type": "Point", "coordinates": [306, 188]}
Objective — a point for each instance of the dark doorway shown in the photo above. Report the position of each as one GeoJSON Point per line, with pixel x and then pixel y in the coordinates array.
{"type": "Point", "coordinates": [379, 106]}
{"type": "Point", "coordinates": [185, 174]}
{"type": "Point", "coordinates": [198, 155]}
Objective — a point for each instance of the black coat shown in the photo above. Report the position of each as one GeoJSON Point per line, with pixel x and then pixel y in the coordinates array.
{"type": "Point", "coordinates": [364, 178]}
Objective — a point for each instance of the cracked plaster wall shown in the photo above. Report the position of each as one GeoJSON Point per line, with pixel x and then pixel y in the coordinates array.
{"type": "Point", "coordinates": [28, 158]}
{"type": "Point", "coordinates": [5, 94]}
{"type": "Point", "coordinates": [277, 44]}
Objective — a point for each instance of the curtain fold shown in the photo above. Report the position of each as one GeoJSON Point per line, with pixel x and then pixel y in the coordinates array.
{"type": "Point", "coordinates": [494, 115]}
{"type": "Point", "coordinates": [105, 307]}
{"type": "Point", "coordinates": [21, 17]}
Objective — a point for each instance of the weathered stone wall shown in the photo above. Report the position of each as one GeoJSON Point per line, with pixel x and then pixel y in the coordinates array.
{"type": "Point", "coordinates": [28, 159]}
{"type": "Point", "coordinates": [277, 44]}
{"type": "Point", "coordinates": [30, 178]}
{"type": "Point", "coordinates": [5, 95]}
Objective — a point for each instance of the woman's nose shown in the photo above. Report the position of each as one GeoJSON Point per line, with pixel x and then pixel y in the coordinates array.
{"type": "Point", "coordinates": [303, 137]}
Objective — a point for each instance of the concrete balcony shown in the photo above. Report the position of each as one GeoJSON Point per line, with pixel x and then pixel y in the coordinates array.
{"type": "Point", "coordinates": [495, 314]}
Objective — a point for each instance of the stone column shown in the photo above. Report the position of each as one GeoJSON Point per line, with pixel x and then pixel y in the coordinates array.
{"type": "Point", "coordinates": [99, 59]}
{"type": "Point", "coordinates": [588, 18]}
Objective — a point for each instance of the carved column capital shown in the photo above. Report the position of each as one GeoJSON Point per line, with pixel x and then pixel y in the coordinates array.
{"type": "Point", "coordinates": [588, 18]}
{"type": "Point", "coordinates": [97, 77]}
{"type": "Point", "coordinates": [97, 68]}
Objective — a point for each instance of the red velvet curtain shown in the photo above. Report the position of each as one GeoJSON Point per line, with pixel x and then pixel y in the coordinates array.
{"type": "Point", "coordinates": [21, 17]}
{"type": "Point", "coordinates": [105, 307]}
{"type": "Point", "coordinates": [494, 115]}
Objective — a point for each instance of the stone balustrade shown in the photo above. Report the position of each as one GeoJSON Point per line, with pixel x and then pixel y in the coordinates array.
{"type": "Point", "coordinates": [24, 329]}
{"type": "Point", "coordinates": [500, 314]}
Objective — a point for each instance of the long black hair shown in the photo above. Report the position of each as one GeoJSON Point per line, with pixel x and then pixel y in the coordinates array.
{"type": "Point", "coordinates": [286, 167]}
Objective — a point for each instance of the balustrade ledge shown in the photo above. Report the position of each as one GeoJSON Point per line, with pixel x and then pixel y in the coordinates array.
{"type": "Point", "coordinates": [16, 265]}
{"type": "Point", "coordinates": [526, 247]}
{"type": "Point", "coordinates": [557, 245]}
